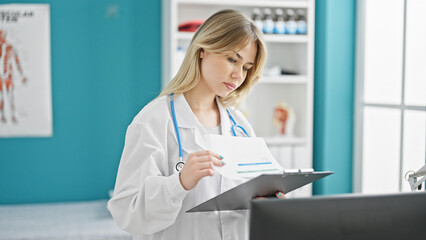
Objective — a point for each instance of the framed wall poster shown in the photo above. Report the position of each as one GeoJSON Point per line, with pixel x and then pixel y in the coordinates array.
{"type": "Point", "coordinates": [25, 71]}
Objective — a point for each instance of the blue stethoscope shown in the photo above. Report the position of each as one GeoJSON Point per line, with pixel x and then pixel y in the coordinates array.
{"type": "Point", "coordinates": [181, 163]}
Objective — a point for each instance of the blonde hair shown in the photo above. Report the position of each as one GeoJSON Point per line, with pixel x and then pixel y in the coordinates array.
{"type": "Point", "coordinates": [225, 32]}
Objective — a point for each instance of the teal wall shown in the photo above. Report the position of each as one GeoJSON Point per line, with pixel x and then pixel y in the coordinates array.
{"type": "Point", "coordinates": [104, 70]}
{"type": "Point", "coordinates": [334, 93]}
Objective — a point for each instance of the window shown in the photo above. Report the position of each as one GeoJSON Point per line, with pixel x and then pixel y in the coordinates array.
{"type": "Point", "coordinates": [390, 124]}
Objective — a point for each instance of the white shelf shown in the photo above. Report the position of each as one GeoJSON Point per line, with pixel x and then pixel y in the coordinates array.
{"type": "Point", "coordinates": [185, 35]}
{"type": "Point", "coordinates": [284, 140]}
{"type": "Point", "coordinates": [290, 79]}
{"type": "Point", "coordinates": [250, 3]}
{"type": "Point", "coordinates": [286, 38]}
{"type": "Point", "coordinates": [273, 38]}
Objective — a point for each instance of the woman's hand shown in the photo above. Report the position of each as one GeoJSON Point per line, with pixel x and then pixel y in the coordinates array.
{"type": "Point", "coordinates": [198, 165]}
{"type": "Point", "coordinates": [279, 195]}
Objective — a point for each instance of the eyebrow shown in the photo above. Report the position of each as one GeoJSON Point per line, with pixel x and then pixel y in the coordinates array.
{"type": "Point", "coordinates": [240, 57]}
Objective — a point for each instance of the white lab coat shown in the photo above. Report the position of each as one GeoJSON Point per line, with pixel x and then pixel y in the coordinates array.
{"type": "Point", "coordinates": [149, 200]}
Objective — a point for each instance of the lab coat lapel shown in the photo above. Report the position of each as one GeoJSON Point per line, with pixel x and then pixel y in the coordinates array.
{"type": "Point", "coordinates": [225, 121]}
{"type": "Point", "coordinates": [184, 115]}
{"type": "Point", "coordinates": [189, 124]}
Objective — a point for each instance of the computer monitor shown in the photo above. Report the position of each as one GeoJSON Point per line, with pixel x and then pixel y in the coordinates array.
{"type": "Point", "coordinates": [351, 216]}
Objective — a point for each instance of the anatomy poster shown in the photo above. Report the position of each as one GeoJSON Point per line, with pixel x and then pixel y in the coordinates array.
{"type": "Point", "coordinates": [25, 74]}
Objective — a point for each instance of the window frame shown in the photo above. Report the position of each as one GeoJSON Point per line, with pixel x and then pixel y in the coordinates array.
{"type": "Point", "coordinates": [360, 104]}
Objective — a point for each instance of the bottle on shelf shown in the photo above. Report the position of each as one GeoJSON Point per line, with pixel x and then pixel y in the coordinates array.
{"type": "Point", "coordinates": [268, 23]}
{"type": "Point", "coordinates": [257, 18]}
{"type": "Point", "coordinates": [290, 23]}
{"type": "Point", "coordinates": [279, 25]}
{"type": "Point", "coordinates": [301, 22]}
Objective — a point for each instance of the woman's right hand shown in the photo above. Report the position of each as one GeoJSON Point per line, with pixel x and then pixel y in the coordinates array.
{"type": "Point", "coordinates": [198, 165]}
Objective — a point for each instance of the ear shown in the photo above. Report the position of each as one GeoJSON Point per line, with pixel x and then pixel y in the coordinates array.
{"type": "Point", "coordinates": [202, 53]}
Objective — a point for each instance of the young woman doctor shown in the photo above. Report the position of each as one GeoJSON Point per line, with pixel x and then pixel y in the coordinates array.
{"type": "Point", "coordinates": [166, 168]}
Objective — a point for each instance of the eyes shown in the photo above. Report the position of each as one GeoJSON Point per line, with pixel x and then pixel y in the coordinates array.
{"type": "Point", "coordinates": [233, 60]}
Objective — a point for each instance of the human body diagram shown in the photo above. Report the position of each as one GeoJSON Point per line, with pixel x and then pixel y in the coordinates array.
{"type": "Point", "coordinates": [9, 66]}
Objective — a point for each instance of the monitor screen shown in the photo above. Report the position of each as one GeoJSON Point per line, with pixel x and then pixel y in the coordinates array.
{"type": "Point", "coordinates": [351, 216]}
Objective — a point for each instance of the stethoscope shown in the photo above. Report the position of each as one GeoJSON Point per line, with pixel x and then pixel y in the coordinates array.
{"type": "Point", "coordinates": [181, 163]}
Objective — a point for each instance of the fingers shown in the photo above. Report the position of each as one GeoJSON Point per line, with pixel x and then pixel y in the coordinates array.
{"type": "Point", "coordinates": [207, 156]}
{"type": "Point", "coordinates": [206, 172]}
{"type": "Point", "coordinates": [199, 165]}
{"type": "Point", "coordinates": [280, 195]}
{"type": "Point", "coordinates": [214, 160]}
{"type": "Point", "coordinates": [205, 165]}
{"type": "Point", "coordinates": [207, 153]}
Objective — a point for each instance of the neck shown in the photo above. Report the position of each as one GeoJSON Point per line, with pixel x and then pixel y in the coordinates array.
{"type": "Point", "coordinates": [203, 105]}
{"type": "Point", "coordinates": [200, 100]}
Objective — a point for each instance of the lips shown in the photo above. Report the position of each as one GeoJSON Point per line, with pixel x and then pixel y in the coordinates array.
{"type": "Point", "coordinates": [230, 86]}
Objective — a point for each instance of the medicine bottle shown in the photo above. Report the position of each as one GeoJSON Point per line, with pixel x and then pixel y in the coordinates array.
{"type": "Point", "coordinates": [301, 22]}
{"type": "Point", "coordinates": [268, 23]}
{"type": "Point", "coordinates": [279, 25]}
{"type": "Point", "coordinates": [257, 18]}
{"type": "Point", "coordinates": [290, 23]}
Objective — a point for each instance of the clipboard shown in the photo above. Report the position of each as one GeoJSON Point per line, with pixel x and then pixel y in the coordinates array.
{"type": "Point", "coordinates": [239, 197]}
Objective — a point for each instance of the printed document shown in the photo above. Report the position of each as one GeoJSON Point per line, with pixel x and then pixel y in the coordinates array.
{"type": "Point", "coordinates": [244, 157]}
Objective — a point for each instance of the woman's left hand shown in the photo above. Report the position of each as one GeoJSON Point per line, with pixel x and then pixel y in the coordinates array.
{"type": "Point", "coordinates": [279, 195]}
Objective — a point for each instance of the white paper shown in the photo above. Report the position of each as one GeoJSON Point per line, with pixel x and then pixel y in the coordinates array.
{"type": "Point", "coordinates": [244, 157]}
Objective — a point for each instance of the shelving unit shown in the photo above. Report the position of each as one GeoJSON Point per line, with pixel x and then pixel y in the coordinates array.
{"type": "Point", "coordinates": [268, 37]}
{"type": "Point", "coordinates": [283, 80]}
{"type": "Point", "coordinates": [294, 53]}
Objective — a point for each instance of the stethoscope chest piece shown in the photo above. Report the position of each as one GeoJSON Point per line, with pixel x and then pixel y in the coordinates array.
{"type": "Point", "coordinates": [179, 166]}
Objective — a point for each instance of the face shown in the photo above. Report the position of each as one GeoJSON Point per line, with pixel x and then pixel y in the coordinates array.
{"type": "Point", "coordinates": [221, 74]}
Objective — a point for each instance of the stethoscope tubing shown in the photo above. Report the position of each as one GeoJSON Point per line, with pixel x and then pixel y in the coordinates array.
{"type": "Point", "coordinates": [172, 109]}
{"type": "Point", "coordinates": [235, 125]}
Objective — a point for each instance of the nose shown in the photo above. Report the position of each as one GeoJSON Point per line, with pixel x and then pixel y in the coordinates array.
{"type": "Point", "coordinates": [238, 74]}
